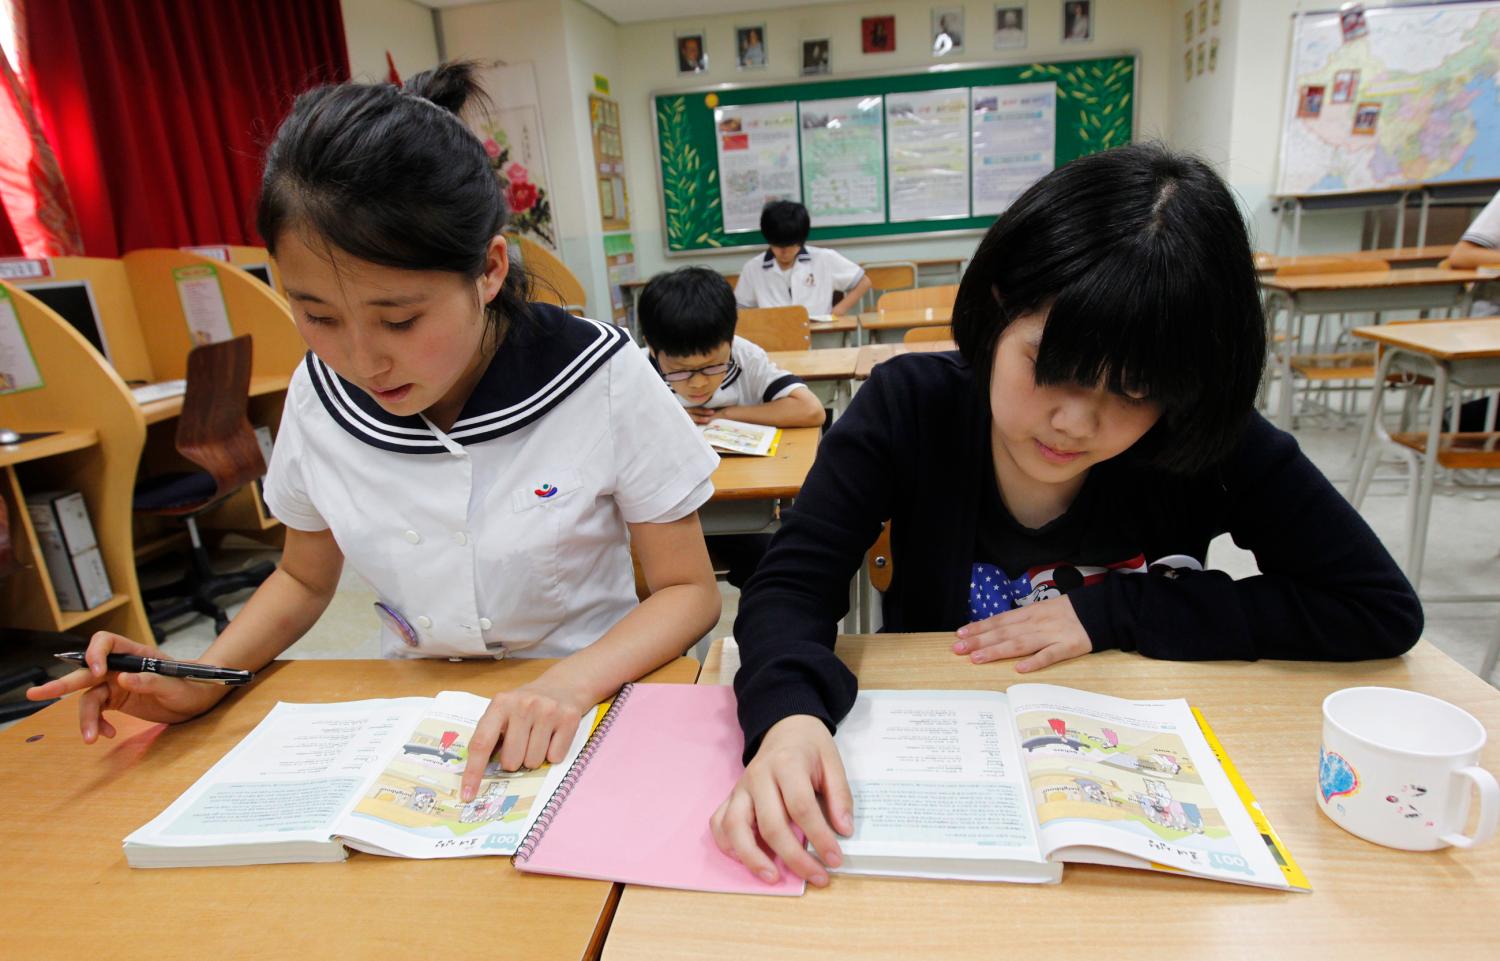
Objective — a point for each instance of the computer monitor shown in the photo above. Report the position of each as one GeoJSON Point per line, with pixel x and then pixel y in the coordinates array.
{"type": "Point", "coordinates": [261, 272]}
{"type": "Point", "coordinates": [73, 301]}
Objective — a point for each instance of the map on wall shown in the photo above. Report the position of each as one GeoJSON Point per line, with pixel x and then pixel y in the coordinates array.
{"type": "Point", "coordinates": [1395, 97]}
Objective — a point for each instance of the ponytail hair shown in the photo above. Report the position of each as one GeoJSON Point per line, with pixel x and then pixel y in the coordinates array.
{"type": "Point", "coordinates": [392, 175]}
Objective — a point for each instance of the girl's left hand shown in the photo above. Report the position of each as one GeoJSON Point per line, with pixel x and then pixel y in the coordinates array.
{"type": "Point", "coordinates": [536, 722]}
{"type": "Point", "coordinates": [1049, 631]}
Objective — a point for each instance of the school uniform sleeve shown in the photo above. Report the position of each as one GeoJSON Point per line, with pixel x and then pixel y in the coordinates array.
{"type": "Point", "coordinates": [843, 272]}
{"type": "Point", "coordinates": [1485, 230]}
{"type": "Point", "coordinates": [662, 464]}
{"type": "Point", "coordinates": [790, 608]}
{"type": "Point", "coordinates": [764, 381]}
{"type": "Point", "coordinates": [285, 487]}
{"type": "Point", "coordinates": [745, 286]}
{"type": "Point", "coordinates": [1328, 589]}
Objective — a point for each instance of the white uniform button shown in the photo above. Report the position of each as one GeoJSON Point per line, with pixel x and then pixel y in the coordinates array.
{"type": "Point", "coordinates": [485, 624]}
{"type": "Point", "coordinates": [424, 622]}
{"type": "Point", "coordinates": [460, 538]}
{"type": "Point", "coordinates": [413, 537]}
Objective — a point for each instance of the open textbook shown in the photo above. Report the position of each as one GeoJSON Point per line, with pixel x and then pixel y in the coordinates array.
{"type": "Point", "coordinates": [737, 437]}
{"type": "Point", "coordinates": [986, 786]}
{"type": "Point", "coordinates": [380, 776]}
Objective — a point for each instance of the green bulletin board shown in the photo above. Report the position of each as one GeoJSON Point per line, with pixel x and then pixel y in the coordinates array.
{"type": "Point", "coordinates": [1095, 108]}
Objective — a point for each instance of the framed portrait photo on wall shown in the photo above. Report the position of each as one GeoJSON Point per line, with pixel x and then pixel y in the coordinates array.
{"type": "Point", "coordinates": [815, 57]}
{"type": "Point", "coordinates": [750, 47]}
{"type": "Point", "coordinates": [1010, 25]}
{"type": "Point", "coordinates": [1078, 21]}
{"type": "Point", "coordinates": [692, 56]}
{"type": "Point", "coordinates": [877, 34]}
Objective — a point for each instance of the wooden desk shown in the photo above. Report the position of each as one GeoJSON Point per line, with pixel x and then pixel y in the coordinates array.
{"type": "Point", "coordinates": [748, 489]}
{"type": "Point", "coordinates": [839, 332]}
{"type": "Point", "coordinates": [1454, 353]}
{"type": "Point", "coordinates": [1367, 902]}
{"type": "Point", "coordinates": [169, 407]}
{"type": "Point", "coordinates": [60, 442]}
{"type": "Point", "coordinates": [1398, 257]}
{"type": "Point", "coordinates": [884, 326]}
{"type": "Point", "coordinates": [72, 804]}
{"type": "Point", "coordinates": [828, 372]}
{"type": "Point", "coordinates": [1420, 288]}
{"type": "Point", "coordinates": [872, 354]}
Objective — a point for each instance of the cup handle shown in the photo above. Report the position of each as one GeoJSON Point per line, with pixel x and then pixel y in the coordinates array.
{"type": "Point", "coordinates": [1489, 809]}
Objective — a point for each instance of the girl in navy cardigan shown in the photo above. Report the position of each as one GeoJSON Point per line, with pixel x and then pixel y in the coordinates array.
{"type": "Point", "coordinates": [1053, 486]}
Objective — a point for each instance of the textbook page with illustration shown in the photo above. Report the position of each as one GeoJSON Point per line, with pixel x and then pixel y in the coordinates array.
{"type": "Point", "coordinates": [381, 776]}
{"type": "Point", "coordinates": [738, 437]}
{"type": "Point", "coordinates": [981, 785]}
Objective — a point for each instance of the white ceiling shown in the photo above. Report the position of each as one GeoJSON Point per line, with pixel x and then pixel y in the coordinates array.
{"type": "Point", "coordinates": [637, 11]}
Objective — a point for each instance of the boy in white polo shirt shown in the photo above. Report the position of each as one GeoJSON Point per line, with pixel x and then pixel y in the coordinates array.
{"type": "Point", "coordinates": [791, 272]}
{"type": "Point", "coordinates": [687, 319]}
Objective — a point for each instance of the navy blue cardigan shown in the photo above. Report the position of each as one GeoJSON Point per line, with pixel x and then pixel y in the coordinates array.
{"type": "Point", "coordinates": [913, 447]}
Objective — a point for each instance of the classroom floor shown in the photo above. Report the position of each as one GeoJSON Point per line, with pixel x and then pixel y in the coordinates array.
{"type": "Point", "coordinates": [1463, 556]}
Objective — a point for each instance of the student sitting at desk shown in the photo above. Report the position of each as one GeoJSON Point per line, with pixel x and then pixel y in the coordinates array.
{"type": "Point", "coordinates": [687, 320]}
{"type": "Point", "coordinates": [476, 458]}
{"type": "Point", "coordinates": [791, 272]}
{"type": "Point", "coordinates": [1053, 487]}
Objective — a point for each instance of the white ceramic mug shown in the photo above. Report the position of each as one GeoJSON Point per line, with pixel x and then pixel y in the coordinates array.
{"type": "Point", "coordinates": [1396, 768]}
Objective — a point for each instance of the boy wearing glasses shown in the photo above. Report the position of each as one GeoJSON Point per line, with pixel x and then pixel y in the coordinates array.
{"type": "Point", "coordinates": [687, 320]}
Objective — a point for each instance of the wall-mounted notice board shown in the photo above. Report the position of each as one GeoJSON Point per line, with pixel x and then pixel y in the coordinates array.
{"type": "Point", "coordinates": [881, 155]}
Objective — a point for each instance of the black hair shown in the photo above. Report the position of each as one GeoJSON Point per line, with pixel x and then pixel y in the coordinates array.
{"type": "Point", "coordinates": [687, 311]}
{"type": "Point", "coordinates": [784, 223]}
{"type": "Point", "coordinates": [1140, 260]}
{"type": "Point", "coordinates": [392, 176]}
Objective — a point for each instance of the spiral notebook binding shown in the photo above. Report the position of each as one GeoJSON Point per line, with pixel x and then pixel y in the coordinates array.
{"type": "Point", "coordinates": [570, 780]}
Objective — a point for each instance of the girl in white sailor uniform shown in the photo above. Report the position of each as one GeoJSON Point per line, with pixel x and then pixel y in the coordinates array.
{"type": "Point", "coordinates": [476, 458]}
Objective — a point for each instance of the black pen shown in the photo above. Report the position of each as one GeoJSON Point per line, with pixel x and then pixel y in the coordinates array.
{"type": "Point", "coordinates": [131, 664]}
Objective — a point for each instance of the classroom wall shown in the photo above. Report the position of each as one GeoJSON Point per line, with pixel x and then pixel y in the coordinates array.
{"type": "Point", "coordinates": [567, 43]}
{"type": "Point", "coordinates": [1201, 106]}
{"type": "Point", "coordinates": [371, 27]}
{"type": "Point", "coordinates": [647, 63]}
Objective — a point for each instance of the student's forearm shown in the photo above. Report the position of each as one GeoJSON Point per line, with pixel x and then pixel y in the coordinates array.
{"type": "Point", "coordinates": [661, 628]}
{"type": "Point", "coordinates": [1467, 256]}
{"type": "Point", "coordinates": [800, 409]}
{"type": "Point", "coordinates": [279, 612]}
{"type": "Point", "coordinates": [851, 297]}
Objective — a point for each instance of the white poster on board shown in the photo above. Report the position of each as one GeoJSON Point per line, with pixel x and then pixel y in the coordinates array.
{"type": "Point", "coordinates": [927, 152]}
{"type": "Point", "coordinates": [203, 303]}
{"type": "Point", "coordinates": [843, 160]}
{"type": "Point", "coordinates": [18, 370]}
{"type": "Point", "coordinates": [1015, 141]}
{"type": "Point", "coordinates": [757, 145]}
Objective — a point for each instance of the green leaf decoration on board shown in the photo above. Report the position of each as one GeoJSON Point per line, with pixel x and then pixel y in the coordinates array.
{"type": "Point", "coordinates": [690, 191]}
{"type": "Point", "coordinates": [1102, 96]}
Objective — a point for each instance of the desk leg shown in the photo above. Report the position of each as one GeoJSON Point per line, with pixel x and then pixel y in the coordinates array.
{"type": "Point", "coordinates": [1417, 535]}
{"type": "Point", "coordinates": [1359, 484]}
{"type": "Point", "coordinates": [1294, 319]}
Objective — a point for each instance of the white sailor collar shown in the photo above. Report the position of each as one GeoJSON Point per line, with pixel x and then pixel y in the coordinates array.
{"type": "Point", "coordinates": [544, 359]}
{"type": "Point", "coordinates": [769, 260]}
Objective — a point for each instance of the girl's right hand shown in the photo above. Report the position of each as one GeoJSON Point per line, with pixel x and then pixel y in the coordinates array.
{"type": "Point", "coordinates": [797, 765]}
{"type": "Point", "coordinates": [151, 697]}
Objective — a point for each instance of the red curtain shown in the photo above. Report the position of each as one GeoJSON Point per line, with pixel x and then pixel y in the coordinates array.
{"type": "Point", "coordinates": [160, 110]}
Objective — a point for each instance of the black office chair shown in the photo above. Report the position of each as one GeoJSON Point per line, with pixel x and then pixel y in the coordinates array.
{"type": "Point", "coordinates": [214, 433]}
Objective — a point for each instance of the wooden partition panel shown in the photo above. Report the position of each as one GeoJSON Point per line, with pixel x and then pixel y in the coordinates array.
{"type": "Point", "coordinates": [80, 392]}
{"type": "Point", "coordinates": [253, 309]}
{"type": "Point", "coordinates": [112, 296]}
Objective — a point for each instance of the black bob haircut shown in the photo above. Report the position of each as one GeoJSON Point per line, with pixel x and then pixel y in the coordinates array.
{"type": "Point", "coordinates": [687, 311]}
{"type": "Point", "coordinates": [392, 176]}
{"type": "Point", "coordinates": [1140, 260]}
{"type": "Point", "coordinates": [785, 223]}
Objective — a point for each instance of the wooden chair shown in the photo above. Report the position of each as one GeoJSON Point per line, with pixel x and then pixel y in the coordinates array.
{"type": "Point", "coordinates": [918, 298]}
{"type": "Point", "coordinates": [554, 282]}
{"type": "Point", "coordinates": [732, 279]}
{"type": "Point", "coordinates": [775, 328]}
{"type": "Point", "coordinates": [920, 335]}
{"type": "Point", "coordinates": [892, 275]}
{"type": "Point", "coordinates": [1344, 370]}
{"type": "Point", "coordinates": [214, 433]}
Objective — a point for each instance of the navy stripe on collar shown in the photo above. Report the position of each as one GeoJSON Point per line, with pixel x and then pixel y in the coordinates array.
{"type": "Point", "coordinates": [543, 360]}
{"type": "Point", "coordinates": [769, 260]}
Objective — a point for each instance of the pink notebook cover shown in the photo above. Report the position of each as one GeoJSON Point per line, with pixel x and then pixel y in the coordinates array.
{"type": "Point", "coordinates": [642, 794]}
